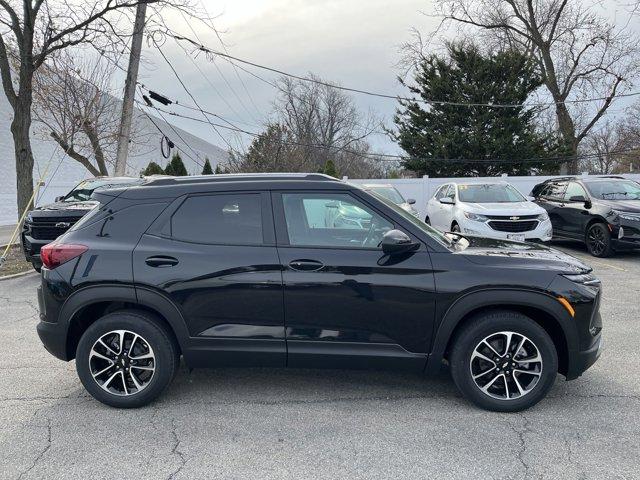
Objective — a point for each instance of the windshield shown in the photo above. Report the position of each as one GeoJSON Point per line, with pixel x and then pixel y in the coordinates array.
{"type": "Point", "coordinates": [429, 230]}
{"type": "Point", "coordinates": [82, 192]}
{"type": "Point", "coordinates": [389, 193]}
{"type": "Point", "coordinates": [489, 193]}
{"type": "Point", "coordinates": [614, 189]}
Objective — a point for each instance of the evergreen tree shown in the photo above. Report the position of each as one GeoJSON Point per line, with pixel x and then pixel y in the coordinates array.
{"type": "Point", "coordinates": [330, 169]}
{"type": "Point", "coordinates": [435, 136]}
{"type": "Point", "coordinates": [153, 169]}
{"type": "Point", "coordinates": [206, 169]}
{"type": "Point", "coordinates": [219, 169]}
{"type": "Point", "coordinates": [176, 167]}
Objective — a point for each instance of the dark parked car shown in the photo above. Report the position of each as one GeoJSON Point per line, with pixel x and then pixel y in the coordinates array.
{"type": "Point", "coordinates": [46, 223]}
{"type": "Point", "coordinates": [242, 270]}
{"type": "Point", "coordinates": [603, 212]}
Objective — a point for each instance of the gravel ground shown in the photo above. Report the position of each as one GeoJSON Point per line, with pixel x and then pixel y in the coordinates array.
{"type": "Point", "coordinates": [263, 423]}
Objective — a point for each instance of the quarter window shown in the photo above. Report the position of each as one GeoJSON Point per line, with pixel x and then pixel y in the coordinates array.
{"type": "Point", "coordinates": [227, 219]}
{"type": "Point", "coordinates": [335, 220]}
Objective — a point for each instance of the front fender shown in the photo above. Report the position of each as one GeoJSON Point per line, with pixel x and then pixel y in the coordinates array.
{"type": "Point", "coordinates": [498, 298]}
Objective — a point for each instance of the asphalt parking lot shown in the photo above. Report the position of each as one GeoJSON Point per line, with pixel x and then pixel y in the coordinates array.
{"type": "Point", "coordinates": [262, 423]}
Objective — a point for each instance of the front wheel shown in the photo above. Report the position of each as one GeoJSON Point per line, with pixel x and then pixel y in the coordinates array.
{"type": "Point", "coordinates": [598, 240]}
{"type": "Point", "coordinates": [503, 361]}
{"type": "Point", "coordinates": [126, 359]}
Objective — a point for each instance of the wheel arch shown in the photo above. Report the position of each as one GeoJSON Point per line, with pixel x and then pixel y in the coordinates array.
{"type": "Point", "coordinates": [87, 305]}
{"type": "Point", "coordinates": [541, 307]}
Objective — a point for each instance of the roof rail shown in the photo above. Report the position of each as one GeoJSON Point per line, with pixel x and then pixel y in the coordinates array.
{"type": "Point", "coordinates": [236, 177]}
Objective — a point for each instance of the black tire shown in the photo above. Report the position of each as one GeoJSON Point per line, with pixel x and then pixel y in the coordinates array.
{"type": "Point", "coordinates": [455, 227]}
{"type": "Point", "coordinates": [491, 323]}
{"type": "Point", "coordinates": [427, 221]}
{"type": "Point", "coordinates": [36, 266]}
{"type": "Point", "coordinates": [150, 330]}
{"type": "Point", "coordinates": [598, 240]}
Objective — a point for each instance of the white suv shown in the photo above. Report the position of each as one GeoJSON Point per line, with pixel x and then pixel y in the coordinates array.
{"type": "Point", "coordinates": [495, 210]}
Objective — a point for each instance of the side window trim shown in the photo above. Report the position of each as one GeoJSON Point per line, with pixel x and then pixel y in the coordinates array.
{"type": "Point", "coordinates": [282, 234]}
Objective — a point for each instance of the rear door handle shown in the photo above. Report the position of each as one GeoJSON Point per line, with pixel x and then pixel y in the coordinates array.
{"type": "Point", "coordinates": [305, 265]}
{"type": "Point", "coordinates": [161, 261]}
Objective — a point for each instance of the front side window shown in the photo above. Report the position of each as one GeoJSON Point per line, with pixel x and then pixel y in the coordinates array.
{"type": "Point", "coordinates": [226, 219]}
{"type": "Point", "coordinates": [336, 220]}
{"type": "Point", "coordinates": [555, 190]}
{"type": "Point", "coordinates": [574, 190]}
{"type": "Point", "coordinates": [489, 193]}
{"type": "Point", "coordinates": [389, 193]}
{"type": "Point", "coordinates": [441, 192]}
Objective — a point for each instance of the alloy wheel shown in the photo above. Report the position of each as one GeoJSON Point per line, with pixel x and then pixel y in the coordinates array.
{"type": "Point", "coordinates": [122, 362]}
{"type": "Point", "coordinates": [597, 240]}
{"type": "Point", "coordinates": [506, 365]}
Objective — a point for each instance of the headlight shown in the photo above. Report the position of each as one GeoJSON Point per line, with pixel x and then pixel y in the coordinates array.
{"type": "Point", "coordinates": [627, 215]}
{"type": "Point", "coordinates": [583, 278]}
{"type": "Point", "coordinates": [543, 217]}
{"type": "Point", "coordinates": [475, 217]}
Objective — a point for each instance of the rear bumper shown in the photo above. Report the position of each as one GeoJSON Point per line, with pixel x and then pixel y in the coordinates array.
{"type": "Point", "coordinates": [53, 335]}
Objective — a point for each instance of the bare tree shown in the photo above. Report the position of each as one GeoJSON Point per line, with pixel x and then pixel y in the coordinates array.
{"type": "Point", "coordinates": [73, 104]}
{"type": "Point", "coordinates": [603, 147]}
{"type": "Point", "coordinates": [580, 55]}
{"type": "Point", "coordinates": [31, 31]}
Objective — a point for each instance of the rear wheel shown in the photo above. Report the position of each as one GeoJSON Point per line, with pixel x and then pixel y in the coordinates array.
{"type": "Point", "coordinates": [598, 240]}
{"type": "Point", "coordinates": [455, 227]}
{"type": "Point", "coordinates": [503, 361]}
{"type": "Point", "coordinates": [36, 266]}
{"type": "Point", "coordinates": [126, 359]}
{"type": "Point", "coordinates": [427, 221]}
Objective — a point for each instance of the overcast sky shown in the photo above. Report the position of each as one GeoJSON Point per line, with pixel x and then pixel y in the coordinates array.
{"type": "Point", "coordinates": [352, 42]}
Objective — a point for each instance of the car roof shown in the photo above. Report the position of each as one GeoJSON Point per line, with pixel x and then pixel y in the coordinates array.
{"type": "Point", "coordinates": [235, 177]}
{"type": "Point", "coordinates": [479, 182]}
{"type": "Point", "coordinates": [377, 185]}
{"type": "Point", "coordinates": [585, 178]}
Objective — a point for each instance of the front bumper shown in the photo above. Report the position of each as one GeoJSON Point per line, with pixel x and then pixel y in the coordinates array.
{"type": "Point", "coordinates": [626, 234]}
{"type": "Point", "coordinates": [542, 232]}
{"type": "Point", "coordinates": [31, 248]}
{"type": "Point", "coordinates": [582, 360]}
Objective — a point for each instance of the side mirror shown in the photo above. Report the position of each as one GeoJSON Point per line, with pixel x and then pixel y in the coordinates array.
{"type": "Point", "coordinates": [447, 201]}
{"type": "Point", "coordinates": [578, 198]}
{"type": "Point", "coordinates": [530, 198]}
{"type": "Point", "coordinates": [59, 199]}
{"type": "Point", "coordinates": [396, 242]}
{"type": "Point", "coordinates": [411, 201]}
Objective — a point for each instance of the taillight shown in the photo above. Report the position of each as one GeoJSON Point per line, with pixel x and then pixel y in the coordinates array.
{"type": "Point", "coordinates": [55, 254]}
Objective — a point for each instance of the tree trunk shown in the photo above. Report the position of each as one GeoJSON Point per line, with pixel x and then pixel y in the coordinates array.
{"type": "Point", "coordinates": [568, 131]}
{"type": "Point", "coordinates": [20, 127]}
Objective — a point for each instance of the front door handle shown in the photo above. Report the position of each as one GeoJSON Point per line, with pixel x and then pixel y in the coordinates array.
{"type": "Point", "coordinates": [305, 265]}
{"type": "Point", "coordinates": [161, 261]}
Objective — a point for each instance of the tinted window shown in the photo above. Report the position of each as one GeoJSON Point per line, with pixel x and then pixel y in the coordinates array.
{"type": "Point", "coordinates": [574, 190]}
{"type": "Point", "coordinates": [233, 219]}
{"type": "Point", "coordinates": [555, 190]}
{"type": "Point", "coordinates": [338, 220]}
{"type": "Point", "coordinates": [389, 193]}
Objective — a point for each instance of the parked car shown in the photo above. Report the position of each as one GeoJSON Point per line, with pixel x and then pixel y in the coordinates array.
{"type": "Point", "coordinates": [232, 270]}
{"type": "Point", "coordinates": [389, 192]}
{"type": "Point", "coordinates": [47, 222]}
{"type": "Point", "coordinates": [496, 210]}
{"type": "Point", "coordinates": [603, 212]}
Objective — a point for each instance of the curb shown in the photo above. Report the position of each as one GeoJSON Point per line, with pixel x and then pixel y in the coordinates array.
{"type": "Point", "coordinates": [17, 275]}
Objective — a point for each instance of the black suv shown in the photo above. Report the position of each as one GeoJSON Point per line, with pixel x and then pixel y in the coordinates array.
{"type": "Point", "coordinates": [46, 223]}
{"type": "Point", "coordinates": [250, 270]}
{"type": "Point", "coordinates": [603, 212]}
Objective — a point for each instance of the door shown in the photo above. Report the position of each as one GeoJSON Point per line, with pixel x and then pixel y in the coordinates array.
{"type": "Point", "coordinates": [433, 206]}
{"type": "Point", "coordinates": [444, 211]}
{"type": "Point", "coordinates": [214, 256]}
{"type": "Point", "coordinates": [552, 200]}
{"type": "Point", "coordinates": [574, 213]}
{"type": "Point", "coordinates": [346, 303]}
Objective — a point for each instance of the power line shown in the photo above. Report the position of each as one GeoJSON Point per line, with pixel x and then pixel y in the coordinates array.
{"type": "Point", "coordinates": [232, 58]}
{"type": "Point", "coordinates": [397, 158]}
{"type": "Point", "coordinates": [190, 95]}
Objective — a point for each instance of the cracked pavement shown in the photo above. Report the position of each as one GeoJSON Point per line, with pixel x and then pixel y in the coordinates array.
{"type": "Point", "coordinates": [270, 423]}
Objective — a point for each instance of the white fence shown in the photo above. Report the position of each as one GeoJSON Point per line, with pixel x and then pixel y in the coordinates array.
{"type": "Point", "coordinates": [421, 189]}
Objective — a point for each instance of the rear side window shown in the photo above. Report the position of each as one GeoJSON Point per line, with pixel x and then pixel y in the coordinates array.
{"type": "Point", "coordinates": [227, 219]}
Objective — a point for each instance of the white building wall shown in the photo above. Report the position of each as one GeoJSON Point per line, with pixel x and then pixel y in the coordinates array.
{"type": "Point", "coordinates": [421, 189]}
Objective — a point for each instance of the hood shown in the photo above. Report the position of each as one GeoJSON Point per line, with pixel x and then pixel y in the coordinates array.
{"type": "Point", "coordinates": [494, 251]}
{"type": "Point", "coordinates": [71, 207]}
{"type": "Point", "coordinates": [622, 205]}
{"type": "Point", "coordinates": [506, 208]}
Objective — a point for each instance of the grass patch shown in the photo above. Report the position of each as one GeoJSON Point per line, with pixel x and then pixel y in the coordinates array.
{"type": "Point", "coordinates": [15, 262]}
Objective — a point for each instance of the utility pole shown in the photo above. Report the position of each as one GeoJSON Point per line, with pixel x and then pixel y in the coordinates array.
{"type": "Point", "coordinates": [130, 90]}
